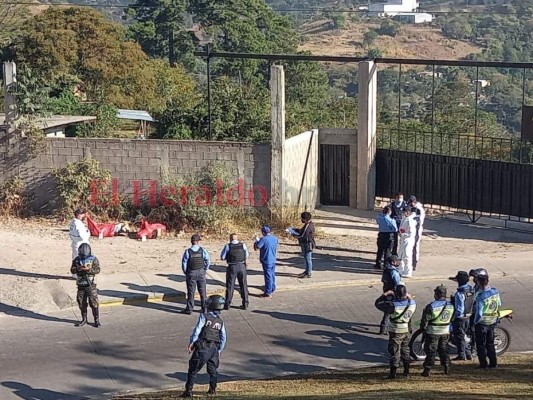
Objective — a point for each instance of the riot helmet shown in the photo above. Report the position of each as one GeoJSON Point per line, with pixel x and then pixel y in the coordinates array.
{"type": "Point", "coordinates": [84, 250]}
{"type": "Point", "coordinates": [215, 302]}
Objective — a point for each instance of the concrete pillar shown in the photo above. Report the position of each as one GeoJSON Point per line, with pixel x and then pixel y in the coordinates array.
{"type": "Point", "coordinates": [277, 103]}
{"type": "Point", "coordinates": [10, 101]}
{"type": "Point", "coordinates": [366, 135]}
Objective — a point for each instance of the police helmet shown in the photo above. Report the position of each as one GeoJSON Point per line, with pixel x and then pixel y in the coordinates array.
{"type": "Point", "coordinates": [476, 273]}
{"type": "Point", "coordinates": [84, 250]}
{"type": "Point", "coordinates": [215, 302]}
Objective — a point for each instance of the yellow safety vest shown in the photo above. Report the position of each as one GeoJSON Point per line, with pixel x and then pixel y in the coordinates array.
{"type": "Point", "coordinates": [399, 319]}
{"type": "Point", "coordinates": [491, 308]}
{"type": "Point", "coordinates": [440, 319]}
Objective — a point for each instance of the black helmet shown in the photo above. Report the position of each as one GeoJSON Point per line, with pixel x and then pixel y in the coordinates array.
{"type": "Point", "coordinates": [477, 272]}
{"type": "Point", "coordinates": [215, 302]}
{"type": "Point", "coordinates": [84, 250]}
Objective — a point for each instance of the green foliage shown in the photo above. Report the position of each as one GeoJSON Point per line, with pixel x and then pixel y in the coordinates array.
{"type": "Point", "coordinates": [106, 120]}
{"type": "Point", "coordinates": [370, 37]}
{"type": "Point", "coordinates": [31, 93]}
{"type": "Point", "coordinates": [14, 200]}
{"type": "Point", "coordinates": [374, 53]}
{"type": "Point", "coordinates": [339, 21]}
{"type": "Point", "coordinates": [389, 28]}
{"type": "Point", "coordinates": [76, 182]}
{"type": "Point", "coordinates": [457, 28]}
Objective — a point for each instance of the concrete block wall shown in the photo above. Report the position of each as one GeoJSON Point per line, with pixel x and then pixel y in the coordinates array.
{"type": "Point", "coordinates": [136, 160]}
{"type": "Point", "coordinates": [300, 170]}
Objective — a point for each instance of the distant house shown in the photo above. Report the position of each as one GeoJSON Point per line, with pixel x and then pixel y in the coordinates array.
{"type": "Point", "coordinates": [392, 8]}
{"type": "Point", "coordinates": [55, 125]}
{"type": "Point", "coordinates": [413, 18]}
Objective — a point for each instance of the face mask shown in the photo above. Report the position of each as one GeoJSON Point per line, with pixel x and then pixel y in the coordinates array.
{"type": "Point", "coordinates": [400, 198]}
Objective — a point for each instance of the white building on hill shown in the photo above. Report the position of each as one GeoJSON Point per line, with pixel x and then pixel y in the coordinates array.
{"type": "Point", "coordinates": [392, 7]}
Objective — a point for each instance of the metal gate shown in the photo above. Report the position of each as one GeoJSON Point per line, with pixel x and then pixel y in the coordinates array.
{"type": "Point", "coordinates": [334, 175]}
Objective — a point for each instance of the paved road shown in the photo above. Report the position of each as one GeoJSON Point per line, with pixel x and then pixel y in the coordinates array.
{"type": "Point", "coordinates": [45, 357]}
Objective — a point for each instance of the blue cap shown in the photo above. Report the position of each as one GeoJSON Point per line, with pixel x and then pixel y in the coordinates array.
{"type": "Point", "coordinates": [265, 229]}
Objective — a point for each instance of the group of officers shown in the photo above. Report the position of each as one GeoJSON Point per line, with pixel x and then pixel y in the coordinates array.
{"type": "Point", "coordinates": [401, 224]}
{"type": "Point", "coordinates": [472, 309]}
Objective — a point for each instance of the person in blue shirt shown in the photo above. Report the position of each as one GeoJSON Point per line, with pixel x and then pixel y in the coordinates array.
{"type": "Point", "coordinates": [235, 254]}
{"type": "Point", "coordinates": [390, 278]}
{"type": "Point", "coordinates": [195, 263]}
{"type": "Point", "coordinates": [486, 314]}
{"type": "Point", "coordinates": [268, 249]}
{"type": "Point", "coordinates": [386, 236]}
{"type": "Point", "coordinates": [463, 301]}
{"type": "Point", "coordinates": [207, 341]}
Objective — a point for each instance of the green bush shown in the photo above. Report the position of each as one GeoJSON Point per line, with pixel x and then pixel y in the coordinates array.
{"type": "Point", "coordinates": [14, 200]}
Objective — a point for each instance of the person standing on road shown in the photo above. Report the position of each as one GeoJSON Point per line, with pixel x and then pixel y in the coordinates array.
{"type": "Point", "coordinates": [401, 307]}
{"type": "Point", "coordinates": [78, 232]}
{"type": "Point", "coordinates": [207, 341]}
{"type": "Point", "coordinates": [390, 278]}
{"type": "Point", "coordinates": [306, 239]}
{"type": "Point", "coordinates": [86, 267]}
{"type": "Point", "coordinates": [195, 263]}
{"type": "Point", "coordinates": [387, 232]}
{"type": "Point", "coordinates": [397, 207]}
{"type": "Point", "coordinates": [407, 243]}
{"type": "Point", "coordinates": [420, 218]}
{"type": "Point", "coordinates": [268, 249]}
{"type": "Point", "coordinates": [463, 301]}
{"type": "Point", "coordinates": [486, 314]}
{"type": "Point", "coordinates": [436, 320]}
{"type": "Point", "coordinates": [235, 254]}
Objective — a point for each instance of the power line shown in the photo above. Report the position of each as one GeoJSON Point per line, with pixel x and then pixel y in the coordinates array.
{"type": "Point", "coordinates": [284, 10]}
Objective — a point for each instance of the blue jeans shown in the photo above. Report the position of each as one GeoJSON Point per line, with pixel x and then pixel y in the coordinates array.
{"type": "Point", "coordinates": [308, 262]}
{"type": "Point", "coordinates": [270, 278]}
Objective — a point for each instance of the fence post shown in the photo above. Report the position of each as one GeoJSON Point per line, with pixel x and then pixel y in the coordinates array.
{"type": "Point", "coordinates": [366, 135]}
{"type": "Point", "coordinates": [277, 102]}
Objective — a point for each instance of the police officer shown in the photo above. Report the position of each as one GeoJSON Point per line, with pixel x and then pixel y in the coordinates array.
{"type": "Point", "coordinates": [207, 341]}
{"type": "Point", "coordinates": [390, 278]}
{"type": "Point", "coordinates": [463, 301]}
{"type": "Point", "coordinates": [436, 320]}
{"type": "Point", "coordinates": [387, 232]}
{"type": "Point", "coordinates": [486, 312]}
{"type": "Point", "coordinates": [397, 206]}
{"type": "Point", "coordinates": [236, 254]}
{"type": "Point", "coordinates": [86, 266]}
{"type": "Point", "coordinates": [401, 307]}
{"type": "Point", "coordinates": [195, 263]}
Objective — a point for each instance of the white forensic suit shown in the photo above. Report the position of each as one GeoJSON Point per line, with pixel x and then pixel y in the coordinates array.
{"type": "Point", "coordinates": [79, 233]}
{"type": "Point", "coordinates": [407, 244]}
{"type": "Point", "coordinates": [420, 228]}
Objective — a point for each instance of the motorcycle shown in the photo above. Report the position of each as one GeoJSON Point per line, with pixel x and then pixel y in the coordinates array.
{"type": "Point", "coordinates": [502, 339]}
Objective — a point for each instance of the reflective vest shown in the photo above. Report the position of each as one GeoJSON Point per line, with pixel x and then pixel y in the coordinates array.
{"type": "Point", "coordinates": [440, 318]}
{"type": "Point", "coordinates": [399, 319]}
{"type": "Point", "coordinates": [196, 259]}
{"type": "Point", "coordinates": [85, 279]}
{"type": "Point", "coordinates": [491, 308]}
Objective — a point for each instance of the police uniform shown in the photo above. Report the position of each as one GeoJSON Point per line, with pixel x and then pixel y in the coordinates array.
{"type": "Point", "coordinates": [486, 313]}
{"type": "Point", "coordinates": [436, 320]}
{"type": "Point", "coordinates": [463, 301]}
{"type": "Point", "coordinates": [401, 312]}
{"type": "Point", "coordinates": [207, 342]}
{"type": "Point", "coordinates": [390, 279]}
{"type": "Point", "coordinates": [236, 253]}
{"type": "Point", "coordinates": [195, 263]}
{"type": "Point", "coordinates": [86, 280]}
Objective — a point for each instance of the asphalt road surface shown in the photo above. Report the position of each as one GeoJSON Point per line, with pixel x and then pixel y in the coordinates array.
{"type": "Point", "coordinates": [45, 357]}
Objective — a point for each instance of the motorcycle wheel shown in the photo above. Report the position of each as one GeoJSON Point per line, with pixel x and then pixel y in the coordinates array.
{"type": "Point", "coordinates": [416, 346]}
{"type": "Point", "coordinates": [502, 340]}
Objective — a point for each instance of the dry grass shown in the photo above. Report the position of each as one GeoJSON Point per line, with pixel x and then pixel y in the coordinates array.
{"type": "Point", "coordinates": [412, 42]}
{"type": "Point", "coordinates": [512, 380]}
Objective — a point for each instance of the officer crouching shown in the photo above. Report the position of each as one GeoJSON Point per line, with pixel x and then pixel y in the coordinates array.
{"type": "Point", "coordinates": [436, 320]}
{"type": "Point", "coordinates": [401, 307]}
{"type": "Point", "coordinates": [86, 266]}
{"type": "Point", "coordinates": [206, 343]}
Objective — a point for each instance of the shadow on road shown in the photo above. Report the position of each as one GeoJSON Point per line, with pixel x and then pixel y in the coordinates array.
{"type": "Point", "coordinates": [142, 300]}
{"type": "Point", "coordinates": [28, 393]}
{"type": "Point", "coordinates": [20, 312]}
{"type": "Point", "coordinates": [9, 271]}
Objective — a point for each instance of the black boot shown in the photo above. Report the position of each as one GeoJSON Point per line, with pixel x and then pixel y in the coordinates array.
{"type": "Point", "coordinates": [96, 318]}
{"type": "Point", "coordinates": [187, 395]}
{"type": "Point", "coordinates": [426, 372]}
{"type": "Point", "coordinates": [83, 319]}
{"type": "Point", "coordinates": [406, 369]}
{"type": "Point", "coordinates": [447, 369]}
{"type": "Point", "coordinates": [392, 373]}
{"type": "Point", "coordinates": [212, 391]}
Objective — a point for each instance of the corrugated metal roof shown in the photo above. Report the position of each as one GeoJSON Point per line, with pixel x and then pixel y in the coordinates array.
{"type": "Point", "coordinates": [58, 120]}
{"type": "Point", "coordinates": [135, 115]}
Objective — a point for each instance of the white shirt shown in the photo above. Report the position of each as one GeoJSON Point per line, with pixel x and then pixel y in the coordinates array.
{"type": "Point", "coordinates": [78, 231]}
{"type": "Point", "coordinates": [409, 225]}
{"type": "Point", "coordinates": [420, 207]}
